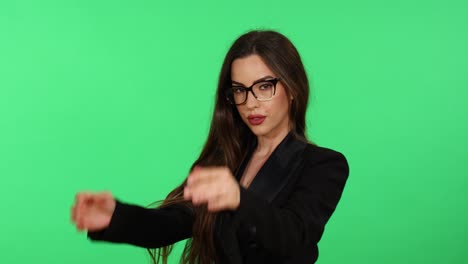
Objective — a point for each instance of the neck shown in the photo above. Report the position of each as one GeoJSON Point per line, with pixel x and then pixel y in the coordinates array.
{"type": "Point", "coordinates": [266, 144]}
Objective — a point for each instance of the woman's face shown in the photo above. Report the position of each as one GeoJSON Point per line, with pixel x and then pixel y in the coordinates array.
{"type": "Point", "coordinates": [264, 118]}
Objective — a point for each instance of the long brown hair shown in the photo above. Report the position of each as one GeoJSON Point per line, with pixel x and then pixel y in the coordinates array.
{"type": "Point", "coordinates": [229, 138]}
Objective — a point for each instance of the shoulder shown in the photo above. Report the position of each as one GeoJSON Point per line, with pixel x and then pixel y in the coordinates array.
{"type": "Point", "coordinates": [314, 153]}
{"type": "Point", "coordinates": [317, 156]}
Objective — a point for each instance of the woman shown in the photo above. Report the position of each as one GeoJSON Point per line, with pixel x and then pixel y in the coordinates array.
{"type": "Point", "coordinates": [259, 192]}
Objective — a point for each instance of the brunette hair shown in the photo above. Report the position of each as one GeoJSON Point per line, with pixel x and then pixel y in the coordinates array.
{"type": "Point", "coordinates": [229, 138]}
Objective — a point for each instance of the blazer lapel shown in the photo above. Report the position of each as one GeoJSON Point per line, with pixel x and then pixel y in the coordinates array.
{"type": "Point", "coordinates": [278, 169]}
{"type": "Point", "coordinates": [269, 181]}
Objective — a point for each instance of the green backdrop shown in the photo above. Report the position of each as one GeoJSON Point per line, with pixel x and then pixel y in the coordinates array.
{"type": "Point", "coordinates": [117, 95]}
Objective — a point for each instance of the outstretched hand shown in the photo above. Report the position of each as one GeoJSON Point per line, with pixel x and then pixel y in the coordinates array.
{"type": "Point", "coordinates": [92, 211]}
{"type": "Point", "coordinates": [214, 186]}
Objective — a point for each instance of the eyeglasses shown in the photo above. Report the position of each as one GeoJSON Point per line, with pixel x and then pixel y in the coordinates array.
{"type": "Point", "coordinates": [262, 90]}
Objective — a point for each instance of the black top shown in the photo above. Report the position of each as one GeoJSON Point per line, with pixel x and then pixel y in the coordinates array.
{"type": "Point", "coordinates": [280, 219]}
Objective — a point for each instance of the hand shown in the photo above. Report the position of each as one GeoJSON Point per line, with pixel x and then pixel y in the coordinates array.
{"type": "Point", "coordinates": [92, 211]}
{"type": "Point", "coordinates": [214, 186]}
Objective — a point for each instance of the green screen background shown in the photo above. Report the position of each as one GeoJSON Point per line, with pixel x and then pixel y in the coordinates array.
{"type": "Point", "coordinates": [117, 95]}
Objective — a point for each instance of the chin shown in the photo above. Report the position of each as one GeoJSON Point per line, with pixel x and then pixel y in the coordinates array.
{"type": "Point", "coordinates": [259, 131]}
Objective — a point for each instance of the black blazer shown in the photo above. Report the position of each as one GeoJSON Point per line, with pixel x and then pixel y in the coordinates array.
{"type": "Point", "coordinates": [280, 219]}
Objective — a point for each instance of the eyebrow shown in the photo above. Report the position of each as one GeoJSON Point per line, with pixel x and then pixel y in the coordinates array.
{"type": "Point", "coordinates": [256, 81]}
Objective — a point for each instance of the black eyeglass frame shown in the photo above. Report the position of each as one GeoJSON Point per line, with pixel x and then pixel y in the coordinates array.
{"type": "Point", "coordinates": [230, 95]}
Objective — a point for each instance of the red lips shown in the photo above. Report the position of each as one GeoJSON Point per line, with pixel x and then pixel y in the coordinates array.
{"type": "Point", "coordinates": [256, 120]}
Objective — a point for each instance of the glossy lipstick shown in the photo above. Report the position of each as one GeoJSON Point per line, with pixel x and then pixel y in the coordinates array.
{"type": "Point", "coordinates": [256, 120]}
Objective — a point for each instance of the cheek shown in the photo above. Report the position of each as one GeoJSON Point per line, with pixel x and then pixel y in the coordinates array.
{"type": "Point", "coordinates": [282, 105]}
{"type": "Point", "coordinates": [242, 112]}
{"type": "Point", "coordinates": [239, 110]}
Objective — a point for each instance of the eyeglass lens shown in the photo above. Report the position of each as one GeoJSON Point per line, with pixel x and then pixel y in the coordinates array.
{"type": "Point", "coordinates": [262, 91]}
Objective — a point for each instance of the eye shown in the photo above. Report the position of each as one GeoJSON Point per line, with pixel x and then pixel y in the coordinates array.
{"type": "Point", "coordinates": [238, 89]}
{"type": "Point", "coordinates": [265, 86]}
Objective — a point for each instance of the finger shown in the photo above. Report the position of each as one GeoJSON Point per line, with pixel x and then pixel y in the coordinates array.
{"type": "Point", "coordinates": [80, 206]}
{"type": "Point", "coordinates": [80, 224]}
{"type": "Point", "coordinates": [103, 198]}
{"type": "Point", "coordinates": [187, 193]}
{"type": "Point", "coordinates": [81, 199]}
{"type": "Point", "coordinates": [79, 219]}
{"type": "Point", "coordinates": [216, 204]}
{"type": "Point", "coordinates": [196, 197]}
{"type": "Point", "coordinates": [104, 195]}
{"type": "Point", "coordinates": [81, 195]}
{"type": "Point", "coordinates": [204, 183]}
{"type": "Point", "coordinates": [84, 200]}
{"type": "Point", "coordinates": [203, 188]}
{"type": "Point", "coordinates": [202, 193]}
{"type": "Point", "coordinates": [227, 197]}
{"type": "Point", "coordinates": [78, 209]}
{"type": "Point", "coordinates": [202, 175]}
{"type": "Point", "coordinates": [82, 221]}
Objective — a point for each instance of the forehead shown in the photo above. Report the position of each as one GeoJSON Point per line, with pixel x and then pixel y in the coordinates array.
{"type": "Point", "coordinates": [249, 69]}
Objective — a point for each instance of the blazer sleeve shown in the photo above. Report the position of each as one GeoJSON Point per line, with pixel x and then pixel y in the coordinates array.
{"type": "Point", "coordinates": [145, 227]}
{"type": "Point", "coordinates": [300, 222]}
